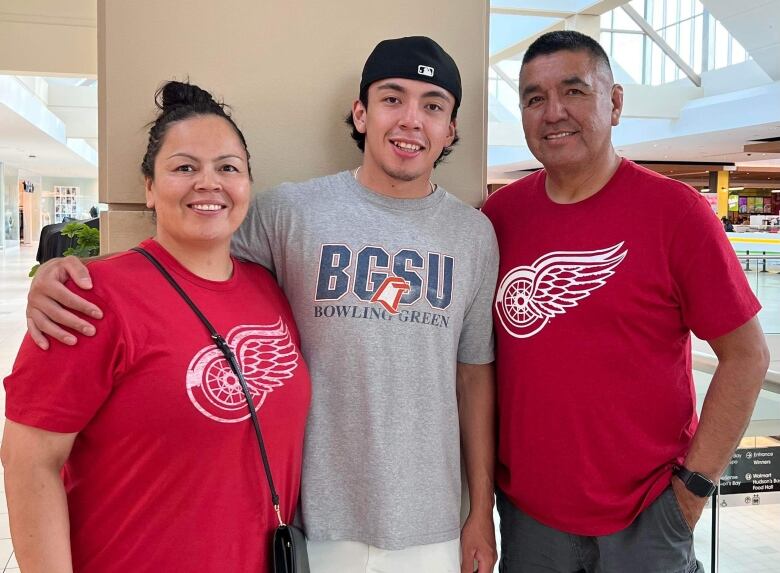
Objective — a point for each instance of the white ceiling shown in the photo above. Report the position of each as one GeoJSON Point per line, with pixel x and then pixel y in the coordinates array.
{"type": "Point", "coordinates": [736, 104]}
{"type": "Point", "coordinates": [20, 139]}
{"type": "Point", "coordinates": [756, 25]}
{"type": "Point", "coordinates": [25, 144]}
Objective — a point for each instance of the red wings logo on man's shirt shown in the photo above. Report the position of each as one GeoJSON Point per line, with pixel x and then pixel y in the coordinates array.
{"type": "Point", "coordinates": [268, 358]}
{"type": "Point", "coordinates": [529, 296]}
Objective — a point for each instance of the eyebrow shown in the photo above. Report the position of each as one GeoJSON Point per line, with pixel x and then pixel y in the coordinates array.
{"type": "Point", "coordinates": [431, 93]}
{"type": "Point", "coordinates": [570, 81]}
{"type": "Point", "coordinates": [220, 158]}
{"type": "Point", "coordinates": [530, 89]}
{"type": "Point", "coordinates": [575, 81]}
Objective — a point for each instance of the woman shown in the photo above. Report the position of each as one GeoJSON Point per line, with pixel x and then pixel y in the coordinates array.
{"type": "Point", "coordinates": [153, 465]}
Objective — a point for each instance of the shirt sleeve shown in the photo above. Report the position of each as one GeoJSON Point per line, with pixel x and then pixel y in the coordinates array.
{"type": "Point", "coordinates": [714, 294]}
{"type": "Point", "coordinates": [62, 388]}
{"type": "Point", "coordinates": [476, 337]}
{"type": "Point", "coordinates": [252, 241]}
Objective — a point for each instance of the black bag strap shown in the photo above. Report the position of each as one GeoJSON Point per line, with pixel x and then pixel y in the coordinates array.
{"type": "Point", "coordinates": [230, 356]}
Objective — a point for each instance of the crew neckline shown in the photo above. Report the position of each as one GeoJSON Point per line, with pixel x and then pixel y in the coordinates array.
{"type": "Point", "coordinates": [175, 267]}
{"type": "Point", "coordinates": [598, 196]}
{"type": "Point", "coordinates": [387, 202]}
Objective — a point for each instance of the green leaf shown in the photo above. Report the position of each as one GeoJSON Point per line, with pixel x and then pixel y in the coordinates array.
{"type": "Point", "coordinates": [33, 270]}
{"type": "Point", "coordinates": [71, 229]}
{"type": "Point", "coordinates": [87, 240]}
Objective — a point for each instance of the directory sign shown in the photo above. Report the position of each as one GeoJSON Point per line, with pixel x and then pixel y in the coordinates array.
{"type": "Point", "coordinates": [752, 470]}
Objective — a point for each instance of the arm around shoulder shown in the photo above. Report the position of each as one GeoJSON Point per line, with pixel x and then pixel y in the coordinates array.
{"type": "Point", "coordinates": [50, 302]}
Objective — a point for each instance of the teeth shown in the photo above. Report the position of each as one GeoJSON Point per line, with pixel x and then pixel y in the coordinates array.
{"type": "Point", "coordinates": [559, 135]}
{"type": "Point", "coordinates": [407, 146]}
{"type": "Point", "coordinates": [206, 207]}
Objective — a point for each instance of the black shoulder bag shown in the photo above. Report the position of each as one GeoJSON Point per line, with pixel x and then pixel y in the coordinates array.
{"type": "Point", "coordinates": [289, 543]}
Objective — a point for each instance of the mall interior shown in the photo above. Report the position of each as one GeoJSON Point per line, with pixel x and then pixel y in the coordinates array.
{"type": "Point", "coordinates": [702, 105]}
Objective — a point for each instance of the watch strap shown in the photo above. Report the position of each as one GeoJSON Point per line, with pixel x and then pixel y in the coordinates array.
{"type": "Point", "coordinates": [698, 484]}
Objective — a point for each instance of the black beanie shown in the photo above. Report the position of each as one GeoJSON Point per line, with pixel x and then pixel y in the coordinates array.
{"type": "Point", "coordinates": [412, 58]}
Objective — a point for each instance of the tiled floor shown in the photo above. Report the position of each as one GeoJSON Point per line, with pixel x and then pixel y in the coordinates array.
{"type": "Point", "coordinates": [750, 536]}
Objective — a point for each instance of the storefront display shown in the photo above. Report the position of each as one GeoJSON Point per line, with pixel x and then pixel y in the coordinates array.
{"type": "Point", "coordinates": [64, 203]}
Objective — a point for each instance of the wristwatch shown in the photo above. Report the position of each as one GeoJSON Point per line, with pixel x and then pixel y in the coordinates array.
{"type": "Point", "coordinates": [698, 484]}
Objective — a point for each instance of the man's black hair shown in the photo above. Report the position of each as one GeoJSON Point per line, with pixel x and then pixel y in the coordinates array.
{"type": "Point", "coordinates": [569, 40]}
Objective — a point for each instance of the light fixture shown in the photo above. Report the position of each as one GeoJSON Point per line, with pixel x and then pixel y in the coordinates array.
{"type": "Point", "coordinates": [736, 188]}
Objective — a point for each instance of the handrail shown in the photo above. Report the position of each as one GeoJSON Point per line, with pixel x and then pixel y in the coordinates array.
{"type": "Point", "coordinates": [772, 256]}
{"type": "Point", "coordinates": [705, 362]}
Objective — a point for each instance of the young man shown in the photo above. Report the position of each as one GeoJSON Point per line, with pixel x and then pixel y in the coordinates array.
{"type": "Point", "coordinates": [391, 281]}
{"type": "Point", "coordinates": [593, 318]}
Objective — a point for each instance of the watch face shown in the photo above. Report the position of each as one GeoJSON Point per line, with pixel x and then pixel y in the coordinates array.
{"type": "Point", "coordinates": [700, 485]}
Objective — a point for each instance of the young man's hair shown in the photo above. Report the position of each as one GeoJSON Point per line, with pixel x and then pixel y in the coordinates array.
{"type": "Point", "coordinates": [360, 138]}
{"type": "Point", "coordinates": [569, 40]}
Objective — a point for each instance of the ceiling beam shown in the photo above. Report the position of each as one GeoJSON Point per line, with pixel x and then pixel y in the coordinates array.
{"type": "Point", "coordinates": [594, 9]}
{"type": "Point", "coordinates": [763, 147]}
{"type": "Point", "coordinates": [565, 23]}
{"type": "Point", "coordinates": [645, 26]}
{"type": "Point", "coordinates": [602, 6]}
{"type": "Point", "coordinates": [534, 12]}
{"type": "Point", "coordinates": [506, 77]}
{"type": "Point", "coordinates": [522, 46]}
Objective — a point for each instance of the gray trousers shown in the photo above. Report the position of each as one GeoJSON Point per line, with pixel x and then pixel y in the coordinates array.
{"type": "Point", "coordinates": [658, 541]}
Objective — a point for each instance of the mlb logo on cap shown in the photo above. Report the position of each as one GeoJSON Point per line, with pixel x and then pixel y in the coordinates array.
{"type": "Point", "coordinates": [425, 71]}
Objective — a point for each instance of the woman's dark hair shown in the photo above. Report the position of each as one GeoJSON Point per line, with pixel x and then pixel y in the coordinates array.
{"type": "Point", "coordinates": [360, 138]}
{"type": "Point", "coordinates": [178, 101]}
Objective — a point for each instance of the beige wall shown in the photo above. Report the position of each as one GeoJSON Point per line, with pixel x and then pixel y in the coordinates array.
{"type": "Point", "coordinates": [289, 69]}
{"type": "Point", "coordinates": [48, 37]}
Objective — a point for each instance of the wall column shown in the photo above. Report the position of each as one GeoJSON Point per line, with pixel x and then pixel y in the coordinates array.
{"type": "Point", "coordinates": [719, 183]}
{"type": "Point", "coordinates": [290, 70]}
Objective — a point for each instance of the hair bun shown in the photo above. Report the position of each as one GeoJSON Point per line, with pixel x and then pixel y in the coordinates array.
{"type": "Point", "coordinates": [174, 94]}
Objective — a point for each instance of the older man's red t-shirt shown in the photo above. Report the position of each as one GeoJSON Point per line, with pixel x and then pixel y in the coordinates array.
{"type": "Point", "coordinates": [593, 313]}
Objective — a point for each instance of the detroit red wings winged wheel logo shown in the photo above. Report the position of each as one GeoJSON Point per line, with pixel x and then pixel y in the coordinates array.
{"type": "Point", "coordinates": [268, 357]}
{"type": "Point", "coordinates": [528, 297]}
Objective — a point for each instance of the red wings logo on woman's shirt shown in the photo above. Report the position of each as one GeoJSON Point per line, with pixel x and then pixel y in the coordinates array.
{"type": "Point", "coordinates": [268, 357]}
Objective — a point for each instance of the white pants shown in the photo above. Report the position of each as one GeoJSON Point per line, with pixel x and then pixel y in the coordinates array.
{"type": "Point", "coordinates": [355, 557]}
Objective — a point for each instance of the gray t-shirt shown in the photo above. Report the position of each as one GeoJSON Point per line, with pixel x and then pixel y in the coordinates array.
{"type": "Point", "coordinates": [388, 294]}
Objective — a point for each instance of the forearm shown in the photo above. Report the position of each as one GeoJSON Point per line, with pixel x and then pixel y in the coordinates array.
{"type": "Point", "coordinates": [476, 412]}
{"type": "Point", "coordinates": [725, 415]}
{"type": "Point", "coordinates": [38, 514]}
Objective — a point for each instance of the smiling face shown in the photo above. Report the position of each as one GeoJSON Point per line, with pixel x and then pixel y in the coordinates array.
{"type": "Point", "coordinates": [201, 187]}
{"type": "Point", "coordinates": [407, 124]}
{"type": "Point", "coordinates": [569, 106]}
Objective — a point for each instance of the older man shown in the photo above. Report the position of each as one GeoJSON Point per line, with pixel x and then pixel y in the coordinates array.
{"type": "Point", "coordinates": [606, 268]}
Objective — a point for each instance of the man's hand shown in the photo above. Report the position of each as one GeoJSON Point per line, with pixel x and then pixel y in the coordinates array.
{"type": "Point", "coordinates": [49, 298]}
{"type": "Point", "coordinates": [478, 543]}
{"type": "Point", "coordinates": [690, 504]}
